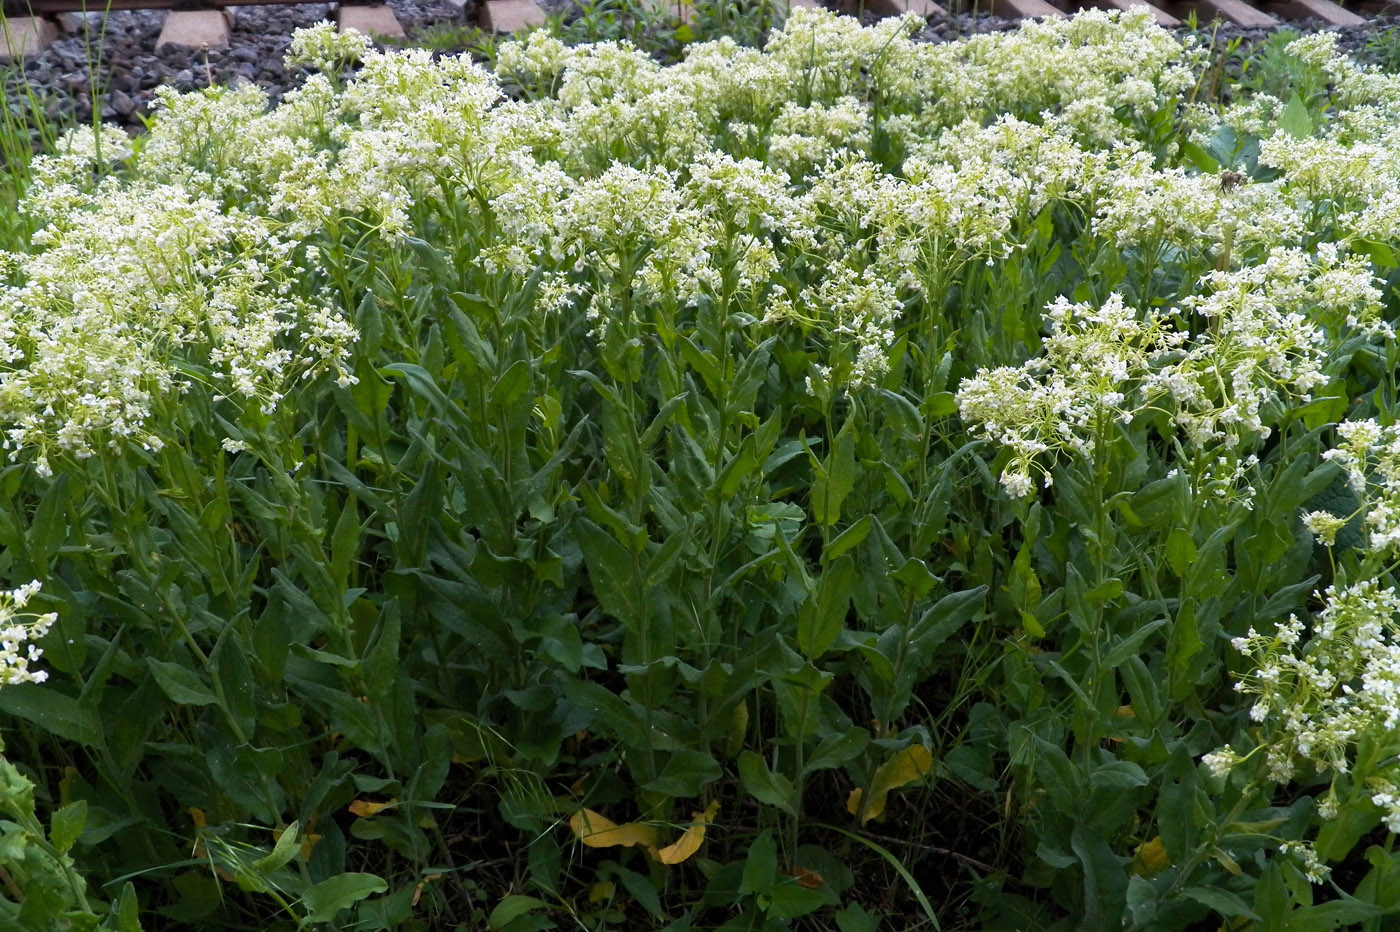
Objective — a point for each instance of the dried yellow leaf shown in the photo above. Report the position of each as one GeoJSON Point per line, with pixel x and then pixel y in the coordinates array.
{"type": "Point", "coordinates": [691, 839]}
{"type": "Point", "coordinates": [1151, 858]}
{"type": "Point", "coordinates": [598, 831]}
{"type": "Point", "coordinates": [364, 808]}
{"type": "Point", "coordinates": [904, 768]}
{"type": "Point", "coordinates": [853, 800]}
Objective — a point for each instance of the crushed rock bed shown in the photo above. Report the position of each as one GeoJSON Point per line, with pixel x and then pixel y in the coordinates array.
{"type": "Point", "coordinates": [60, 80]}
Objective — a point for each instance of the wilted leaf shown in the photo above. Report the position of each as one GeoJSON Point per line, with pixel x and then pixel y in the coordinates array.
{"type": "Point", "coordinates": [365, 808]}
{"type": "Point", "coordinates": [908, 765]}
{"type": "Point", "coordinates": [808, 878]}
{"type": "Point", "coordinates": [690, 841]}
{"type": "Point", "coordinates": [598, 831]}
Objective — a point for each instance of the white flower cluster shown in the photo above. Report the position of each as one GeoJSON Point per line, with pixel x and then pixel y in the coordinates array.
{"type": "Point", "coordinates": [130, 300]}
{"type": "Point", "coordinates": [1324, 684]}
{"type": "Point", "coordinates": [1249, 337]}
{"type": "Point", "coordinates": [18, 632]}
{"type": "Point", "coordinates": [326, 48]}
{"type": "Point", "coordinates": [1370, 454]}
{"type": "Point", "coordinates": [1064, 400]}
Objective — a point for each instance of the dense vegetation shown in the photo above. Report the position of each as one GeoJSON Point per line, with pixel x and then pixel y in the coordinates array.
{"type": "Point", "coordinates": [851, 484]}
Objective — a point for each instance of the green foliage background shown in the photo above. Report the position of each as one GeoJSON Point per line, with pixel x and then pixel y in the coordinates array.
{"type": "Point", "coordinates": [516, 570]}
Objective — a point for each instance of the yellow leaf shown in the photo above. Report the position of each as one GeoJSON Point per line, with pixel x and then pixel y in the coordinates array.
{"type": "Point", "coordinates": [738, 729]}
{"type": "Point", "coordinates": [600, 893]}
{"type": "Point", "coordinates": [904, 768]}
{"type": "Point", "coordinates": [598, 831]}
{"type": "Point", "coordinates": [1151, 858]}
{"type": "Point", "coordinates": [853, 800]}
{"type": "Point", "coordinates": [197, 817]}
{"type": "Point", "coordinates": [365, 808]}
{"type": "Point", "coordinates": [691, 839]}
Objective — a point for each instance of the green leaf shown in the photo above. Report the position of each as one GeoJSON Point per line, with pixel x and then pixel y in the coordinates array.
{"type": "Point", "coordinates": [847, 539]}
{"type": "Point", "coordinates": [641, 889]}
{"type": "Point", "coordinates": [1132, 644]}
{"type": "Point", "coordinates": [939, 404]}
{"type": "Point", "coordinates": [687, 773]}
{"type": "Point", "coordinates": [1105, 881]}
{"type": "Point", "coordinates": [854, 918]}
{"type": "Point", "coordinates": [1057, 775]}
{"type": "Point", "coordinates": [835, 478]}
{"type": "Point", "coordinates": [1183, 645]}
{"type": "Point", "coordinates": [606, 707]}
{"type": "Point", "coordinates": [288, 844]}
{"type": "Point", "coordinates": [1181, 551]}
{"type": "Point", "coordinates": [512, 908]}
{"type": "Point", "coordinates": [127, 910]}
{"type": "Point", "coordinates": [1227, 904]}
{"type": "Point", "coordinates": [67, 824]}
{"type": "Point", "coordinates": [50, 525]}
{"type": "Point", "coordinates": [837, 750]}
{"type": "Point", "coordinates": [180, 683]}
{"type": "Point", "coordinates": [1199, 157]}
{"type": "Point", "coordinates": [1296, 120]}
{"type": "Point", "coordinates": [789, 899]}
{"type": "Point", "coordinates": [765, 786]}
{"type": "Point", "coordinates": [52, 711]}
{"type": "Point", "coordinates": [761, 866]}
{"type": "Point", "coordinates": [330, 896]}
{"type": "Point", "coordinates": [821, 619]}
{"type": "Point", "coordinates": [612, 573]}
{"type": "Point", "coordinates": [512, 384]}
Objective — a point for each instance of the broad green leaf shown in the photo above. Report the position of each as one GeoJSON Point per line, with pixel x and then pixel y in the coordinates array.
{"type": "Point", "coordinates": [837, 750]}
{"type": "Point", "coordinates": [1227, 904]}
{"type": "Point", "coordinates": [820, 621]}
{"type": "Point", "coordinates": [1181, 551]}
{"type": "Point", "coordinates": [611, 569]}
{"type": "Point", "coordinates": [512, 384]}
{"type": "Point", "coordinates": [66, 824]}
{"type": "Point", "coordinates": [835, 478]}
{"type": "Point", "coordinates": [1296, 120]}
{"type": "Point", "coordinates": [1105, 881]}
{"type": "Point", "coordinates": [769, 788]}
{"type": "Point", "coordinates": [761, 865]}
{"type": "Point", "coordinates": [686, 774]}
{"type": "Point", "coordinates": [52, 711]}
{"type": "Point", "coordinates": [847, 539]}
{"type": "Point", "coordinates": [323, 900]}
{"type": "Point", "coordinates": [180, 684]}
{"type": "Point", "coordinates": [288, 844]}
{"type": "Point", "coordinates": [1057, 775]}
{"type": "Point", "coordinates": [512, 908]}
